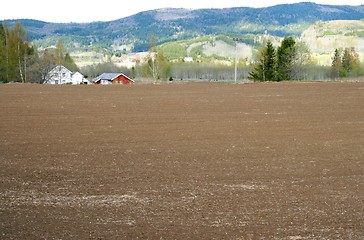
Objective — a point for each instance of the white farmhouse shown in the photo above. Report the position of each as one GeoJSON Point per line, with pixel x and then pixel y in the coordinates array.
{"type": "Point", "coordinates": [61, 75]}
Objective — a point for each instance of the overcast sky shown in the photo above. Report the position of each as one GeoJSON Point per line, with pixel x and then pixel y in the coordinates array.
{"type": "Point", "coordinates": [106, 10]}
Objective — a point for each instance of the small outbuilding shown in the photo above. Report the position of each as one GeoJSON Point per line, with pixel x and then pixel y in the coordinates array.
{"type": "Point", "coordinates": [113, 78]}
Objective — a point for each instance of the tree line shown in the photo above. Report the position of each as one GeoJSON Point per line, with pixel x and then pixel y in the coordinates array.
{"type": "Point", "coordinates": [287, 62]}
{"type": "Point", "coordinates": [20, 61]}
{"type": "Point", "coordinates": [346, 63]}
{"type": "Point", "coordinates": [291, 61]}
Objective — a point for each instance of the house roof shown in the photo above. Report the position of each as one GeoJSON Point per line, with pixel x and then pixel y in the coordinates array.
{"type": "Point", "coordinates": [58, 68]}
{"type": "Point", "coordinates": [77, 73]}
{"type": "Point", "coordinates": [110, 77]}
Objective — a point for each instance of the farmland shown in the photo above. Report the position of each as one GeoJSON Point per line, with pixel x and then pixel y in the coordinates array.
{"type": "Point", "coordinates": [182, 161]}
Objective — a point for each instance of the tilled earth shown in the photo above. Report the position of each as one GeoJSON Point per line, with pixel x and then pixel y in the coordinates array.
{"type": "Point", "coordinates": [182, 161]}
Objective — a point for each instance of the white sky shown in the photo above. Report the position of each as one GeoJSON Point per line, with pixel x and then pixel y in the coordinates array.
{"type": "Point", "coordinates": [106, 10]}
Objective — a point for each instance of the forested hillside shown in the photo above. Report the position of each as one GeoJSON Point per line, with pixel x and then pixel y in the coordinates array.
{"type": "Point", "coordinates": [132, 34]}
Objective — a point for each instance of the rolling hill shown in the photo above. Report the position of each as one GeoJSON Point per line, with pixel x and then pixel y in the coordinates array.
{"type": "Point", "coordinates": [324, 37]}
{"type": "Point", "coordinates": [132, 34]}
{"type": "Point", "coordinates": [207, 33]}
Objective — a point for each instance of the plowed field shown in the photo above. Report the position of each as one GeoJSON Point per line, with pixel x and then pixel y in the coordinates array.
{"type": "Point", "coordinates": [182, 161]}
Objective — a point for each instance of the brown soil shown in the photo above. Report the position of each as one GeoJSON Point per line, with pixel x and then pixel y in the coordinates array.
{"type": "Point", "coordinates": [182, 161]}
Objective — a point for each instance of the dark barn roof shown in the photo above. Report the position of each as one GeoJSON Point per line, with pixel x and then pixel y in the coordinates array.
{"type": "Point", "coordinates": [111, 76]}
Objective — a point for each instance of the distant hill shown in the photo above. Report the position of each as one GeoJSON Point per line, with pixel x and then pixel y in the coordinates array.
{"type": "Point", "coordinates": [132, 34]}
{"type": "Point", "coordinates": [324, 37]}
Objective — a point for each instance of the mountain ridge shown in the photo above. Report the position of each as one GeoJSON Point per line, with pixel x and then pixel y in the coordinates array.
{"type": "Point", "coordinates": [171, 24]}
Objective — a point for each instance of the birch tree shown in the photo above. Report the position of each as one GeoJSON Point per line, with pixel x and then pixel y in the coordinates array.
{"type": "Point", "coordinates": [19, 38]}
{"type": "Point", "coordinates": [15, 53]}
{"type": "Point", "coordinates": [157, 63]}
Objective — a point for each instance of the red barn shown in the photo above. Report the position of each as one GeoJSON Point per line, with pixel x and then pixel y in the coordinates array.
{"type": "Point", "coordinates": [113, 78]}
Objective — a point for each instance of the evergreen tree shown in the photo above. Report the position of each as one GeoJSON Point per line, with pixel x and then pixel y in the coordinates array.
{"type": "Point", "coordinates": [351, 63]}
{"type": "Point", "coordinates": [69, 63]}
{"type": "Point", "coordinates": [63, 58]}
{"type": "Point", "coordinates": [257, 73]}
{"type": "Point", "coordinates": [336, 66]}
{"type": "Point", "coordinates": [286, 55]}
{"type": "Point", "coordinates": [355, 63]}
{"type": "Point", "coordinates": [270, 63]}
{"type": "Point", "coordinates": [346, 62]}
{"type": "Point", "coordinates": [265, 68]}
